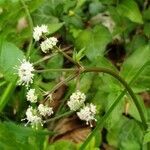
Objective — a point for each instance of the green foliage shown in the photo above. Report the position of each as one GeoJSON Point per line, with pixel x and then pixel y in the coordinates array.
{"type": "Point", "coordinates": [111, 34]}
{"type": "Point", "coordinates": [52, 28]}
{"type": "Point", "coordinates": [12, 12]}
{"type": "Point", "coordinates": [129, 9]}
{"type": "Point", "coordinates": [14, 136]}
{"type": "Point", "coordinates": [55, 62]}
{"type": "Point", "coordinates": [147, 137]}
{"type": "Point", "coordinates": [94, 41]}
{"type": "Point", "coordinates": [9, 59]}
{"type": "Point", "coordinates": [64, 145]}
{"type": "Point", "coordinates": [132, 64]}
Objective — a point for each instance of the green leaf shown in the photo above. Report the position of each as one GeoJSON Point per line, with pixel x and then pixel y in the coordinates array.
{"type": "Point", "coordinates": [130, 137]}
{"type": "Point", "coordinates": [9, 59]}
{"type": "Point", "coordinates": [85, 82]}
{"type": "Point", "coordinates": [132, 110]}
{"type": "Point", "coordinates": [135, 61]}
{"type": "Point", "coordinates": [13, 136]}
{"type": "Point", "coordinates": [52, 28]}
{"type": "Point", "coordinates": [94, 41]}
{"type": "Point", "coordinates": [117, 112]}
{"type": "Point", "coordinates": [91, 144]}
{"type": "Point", "coordinates": [147, 137]}
{"type": "Point", "coordinates": [142, 83]}
{"type": "Point", "coordinates": [63, 145]}
{"type": "Point", "coordinates": [129, 9]}
{"type": "Point", "coordinates": [55, 62]}
{"type": "Point", "coordinates": [147, 29]}
{"type": "Point", "coordinates": [77, 56]}
{"type": "Point", "coordinates": [113, 133]}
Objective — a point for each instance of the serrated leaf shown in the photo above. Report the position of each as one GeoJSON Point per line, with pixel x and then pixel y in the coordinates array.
{"type": "Point", "coordinates": [9, 59]}
{"type": "Point", "coordinates": [94, 41]}
{"type": "Point", "coordinates": [129, 9]}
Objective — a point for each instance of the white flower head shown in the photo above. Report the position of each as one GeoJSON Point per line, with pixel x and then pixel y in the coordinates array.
{"type": "Point", "coordinates": [49, 43]}
{"type": "Point", "coordinates": [33, 117]}
{"type": "Point", "coordinates": [38, 31]}
{"type": "Point", "coordinates": [45, 110]}
{"type": "Point", "coordinates": [25, 73]}
{"type": "Point", "coordinates": [77, 99]}
{"type": "Point", "coordinates": [87, 114]}
{"type": "Point", "coordinates": [31, 96]}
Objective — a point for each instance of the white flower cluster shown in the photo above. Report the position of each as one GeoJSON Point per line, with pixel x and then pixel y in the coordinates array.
{"type": "Point", "coordinates": [32, 117]}
{"type": "Point", "coordinates": [77, 99]}
{"type": "Point", "coordinates": [25, 73]}
{"type": "Point", "coordinates": [38, 31]}
{"type": "Point", "coordinates": [49, 43]}
{"type": "Point", "coordinates": [31, 96]}
{"type": "Point", "coordinates": [86, 113]}
{"type": "Point", "coordinates": [45, 110]}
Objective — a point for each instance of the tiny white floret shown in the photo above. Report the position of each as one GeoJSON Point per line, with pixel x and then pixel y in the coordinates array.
{"type": "Point", "coordinates": [25, 73]}
{"type": "Point", "coordinates": [38, 31]}
{"type": "Point", "coordinates": [45, 110]}
{"type": "Point", "coordinates": [48, 44]}
{"type": "Point", "coordinates": [31, 96]}
{"type": "Point", "coordinates": [87, 114]}
{"type": "Point", "coordinates": [77, 99]}
{"type": "Point", "coordinates": [33, 117]}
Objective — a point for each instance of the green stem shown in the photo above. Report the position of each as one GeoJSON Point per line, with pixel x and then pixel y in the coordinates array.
{"type": "Point", "coordinates": [127, 87]}
{"type": "Point", "coordinates": [61, 83]}
{"type": "Point", "coordinates": [57, 70]}
{"type": "Point", "coordinates": [67, 56]}
{"type": "Point", "coordinates": [44, 58]}
{"type": "Point", "coordinates": [31, 26]}
{"type": "Point", "coordinates": [49, 56]}
{"type": "Point", "coordinates": [3, 83]}
{"type": "Point", "coordinates": [60, 116]}
{"type": "Point", "coordinates": [7, 94]}
{"type": "Point", "coordinates": [102, 120]}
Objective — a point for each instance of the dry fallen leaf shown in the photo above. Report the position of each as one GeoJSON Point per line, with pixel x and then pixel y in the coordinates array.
{"type": "Point", "coordinates": [146, 97]}
{"type": "Point", "coordinates": [71, 129]}
{"type": "Point", "coordinates": [57, 97]}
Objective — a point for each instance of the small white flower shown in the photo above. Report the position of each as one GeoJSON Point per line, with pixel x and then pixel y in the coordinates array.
{"type": "Point", "coordinates": [48, 44]}
{"type": "Point", "coordinates": [45, 110]}
{"type": "Point", "coordinates": [38, 31]}
{"type": "Point", "coordinates": [32, 117]}
{"type": "Point", "coordinates": [87, 113]}
{"type": "Point", "coordinates": [31, 96]}
{"type": "Point", "coordinates": [78, 96]}
{"type": "Point", "coordinates": [77, 99]}
{"type": "Point", "coordinates": [25, 73]}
